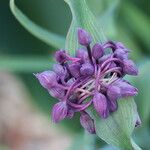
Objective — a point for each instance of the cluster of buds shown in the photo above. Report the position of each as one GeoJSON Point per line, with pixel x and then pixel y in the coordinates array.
{"type": "Point", "coordinates": [90, 78]}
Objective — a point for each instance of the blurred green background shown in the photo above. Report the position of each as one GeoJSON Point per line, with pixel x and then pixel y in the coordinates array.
{"type": "Point", "coordinates": [22, 54]}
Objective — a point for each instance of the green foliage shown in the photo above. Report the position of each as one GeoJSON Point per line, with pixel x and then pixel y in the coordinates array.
{"type": "Point", "coordinates": [118, 127]}
{"type": "Point", "coordinates": [82, 17]}
{"type": "Point", "coordinates": [46, 36]}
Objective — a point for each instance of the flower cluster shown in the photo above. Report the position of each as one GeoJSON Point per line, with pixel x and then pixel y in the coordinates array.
{"type": "Point", "coordinates": [91, 77]}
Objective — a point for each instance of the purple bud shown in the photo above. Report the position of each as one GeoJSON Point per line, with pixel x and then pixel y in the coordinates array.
{"type": "Point", "coordinates": [61, 56]}
{"type": "Point", "coordinates": [87, 69]}
{"type": "Point", "coordinates": [121, 53]}
{"type": "Point", "coordinates": [57, 92]}
{"type": "Point", "coordinates": [129, 67]}
{"type": "Point", "coordinates": [100, 104]}
{"type": "Point", "coordinates": [75, 69]}
{"type": "Point", "coordinates": [47, 79]}
{"type": "Point", "coordinates": [126, 88]}
{"type": "Point", "coordinates": [97, 51]}
{"type": "Point", "coordinates": [82, 53]}
{"type": "Point", "coordinates": [112, 105]}
{"type": "Point", "coordinates": [59, 112]}
{"type": "Point", "coordinates": [59, 70]}
{"type": "Point", "coordinates": [119, 45]}
{"type": "Point", "coordinates": [84, 37]}
{"type": "Point", "coordinates": [113, 92]}
{"type": "Point", "coordinates": [87, 122]}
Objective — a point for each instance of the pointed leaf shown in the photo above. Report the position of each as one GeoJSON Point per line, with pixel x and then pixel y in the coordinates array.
{"type": "Point", "coordinates": [82, 17]}
{"type": "Point", "coordinates": [116, 130]}
{"type": "Point", "coordinates": [42, 34]}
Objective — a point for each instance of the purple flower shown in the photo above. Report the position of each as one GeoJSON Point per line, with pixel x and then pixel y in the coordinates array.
{"type": "Point", "coordinates": [75, 70]}
{"type": "Point", "coordinates": [113, 92]}
{"type": "Point", "coordinates": [90, 78]}
{"type": "Point", "coordinates": [84, 37]}
{"type": "Point", "coordinates": [126, 88]}
{"type": "Point", "coordinates": [59, 112]}
{"type": "Point", "coordinates": [47, 79]}
{"type": "Point", "coordinates": [87, 123]}
{"type": "Point", "coordinates": [97, 51]}
{"type": "Point", "coordinates": [100, 104]}
{"type": "Point", "coordinates": [129, 67]}
{"type": "Point", "coordinates": [87, 69]}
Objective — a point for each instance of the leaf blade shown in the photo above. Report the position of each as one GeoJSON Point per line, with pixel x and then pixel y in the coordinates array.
{"type": "Point", "coordinates": [44, 35]}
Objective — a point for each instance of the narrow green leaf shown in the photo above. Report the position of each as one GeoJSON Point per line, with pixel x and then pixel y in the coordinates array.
{"type": "Point", "coordinates": [39, 32]}
{"type": "Point", "coordinates": [28, 64]}
{"type": "Point", "coordinates": [116, 130]}
{"type": "Point", "coordinates": [143, 97]}
{"type": "Point", "coordinates": [82, 17]}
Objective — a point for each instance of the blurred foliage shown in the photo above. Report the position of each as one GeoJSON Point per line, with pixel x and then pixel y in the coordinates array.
{"type": "Point", "coordinates": [126, 21]}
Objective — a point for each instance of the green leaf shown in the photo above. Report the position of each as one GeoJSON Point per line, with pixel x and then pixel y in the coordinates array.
{"type": "Point", "coordinates": [82, 17]}
{"type": "Point", "coordinates": [28, 64]}
{"type": "Point", "coordinates": [117, 129]}
{"type": "Point", "coordinates": [86, 142]}
{"type": "Point", "coordinates": [42, 34]}
{"type": "Point", "coordinates": [142, 98]}
{"type": "Point", "coordinates": [138, 22]}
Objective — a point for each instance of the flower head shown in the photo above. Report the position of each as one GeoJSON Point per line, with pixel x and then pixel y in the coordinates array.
{"type": "Point", "coordinates": [91, 77]}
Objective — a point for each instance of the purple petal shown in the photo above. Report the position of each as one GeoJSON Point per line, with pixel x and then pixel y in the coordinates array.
{"type": "Point", "coordinates": [100, 104]}
{"type": "Point", "coordinates": [112, 105]}
{"type": "Point", "coordinates": [121, 53]}
{"type": "Point", "coordinates": [57, 92]}
{"type": "Point", "coordinates": [129, 67]}
{"type": "Point", "coordinates": [82, 54]}
{"type": "Point", "coordinates": [59, 70]}
{"type": "Point", "coordinates": [126, 88]}
{"type": "Point", "coordinates": [47, 79]}
{"type": "Point", "coordinates": [87, 123]}
{"type": "Point", "coordinates": [87, 69]}
{"type": "Point", "coordinates": [97, 51]}
{"type": "Point", "coordinates": [113, 92]}
{"type": "Point", "coordinates": [61, 56]}
{"type": "Point", "coordinates": [59, 112]}
{"type": "Point", "coordinates": [75, 70]}
{"type": "Point", "coordinates": [84, 37]}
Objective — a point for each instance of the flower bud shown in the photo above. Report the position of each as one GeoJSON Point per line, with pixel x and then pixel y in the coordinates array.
{"type": "Point", "coordinates": [84, 37]}
{"type": "Point", "coordinates": [121, 54]}
{"type": "Point", "coordinates": [59, 112]}
{"type": "Point", "coordinates": [87, 69]}
{"type": "Point", "coordinates": [112, 105]}
{"type": "Point", "coordinates": [113, 92]}
{"type": "Point", "coordinates": [47, 79]}
{"type": "Point", "coordinates": [75, 70]}
{"type": "Point", "coordinates": [61, 56]}
{"type": "Point", "coordinates": [129, 67]}
{"type": "Point", "coordinates": [126, 88]}
{"type": "Point", "coordinates": [57, 92]}
{"type": "Point", "coordinates": [100, 104]}
{"type": "Point", "coordinates": [87, 122]}
{"type": "Point", "coordinates": [82, 53]}
{"type": "Point", "coordinates": [97, 51]}
{"type": "Point", "coordinates": [59, 70]}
